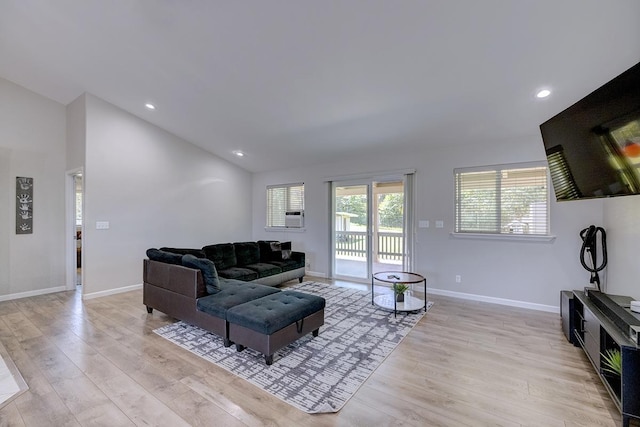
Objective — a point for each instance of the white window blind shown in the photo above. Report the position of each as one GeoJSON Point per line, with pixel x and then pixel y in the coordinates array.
{"type": "Point", "coordinates": [503, 199]}
{"type": "Point", "coordinates": [283, 198]}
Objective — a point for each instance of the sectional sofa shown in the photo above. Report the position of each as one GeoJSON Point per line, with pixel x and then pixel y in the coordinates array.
{"type": "Point", "coordinates": [266, 262]}
{"type": "Point", "coordinates": [232, 301]}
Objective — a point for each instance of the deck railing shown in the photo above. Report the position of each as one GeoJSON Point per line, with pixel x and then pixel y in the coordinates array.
{"type": "Point", "coordinates": [351, 243]}
{"type": "Point", "coordinates": [390, 246]}
{"type": "Point", "coordinates": [354, 244]}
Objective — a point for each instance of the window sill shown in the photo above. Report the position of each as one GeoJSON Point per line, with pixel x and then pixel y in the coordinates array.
{"type": "Point", "coordinates": [505, 237]}
{"type": "Point", "coordinates": [286, 229]}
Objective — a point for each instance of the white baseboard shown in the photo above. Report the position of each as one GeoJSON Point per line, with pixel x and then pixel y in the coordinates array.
{"type": "Point", "coordinates": [315, 274]}
{"type": "Point", "coordinates": [111, 292]}
{"type": "Point", "coordinates": [494, 300]}
{"type": "Point", "coordinates": [32, 293]}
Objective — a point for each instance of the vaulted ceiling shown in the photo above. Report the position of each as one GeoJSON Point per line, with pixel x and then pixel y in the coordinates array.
{"type": "Point", "coordinates": [322, 79]}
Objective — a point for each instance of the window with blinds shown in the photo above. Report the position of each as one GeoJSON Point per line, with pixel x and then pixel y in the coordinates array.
{"type": "Point", "coordinates": [282, 199]}
{"type": "Point", "coordinates": [503, 199]}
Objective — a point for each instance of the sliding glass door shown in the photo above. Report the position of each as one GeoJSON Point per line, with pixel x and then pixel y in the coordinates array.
{"type": "Point", "coordinates": [389, 226]}
{"type": "Point", "coordinates": [351, 235]}
{"type": "Point", "coordinates": [369, 231]}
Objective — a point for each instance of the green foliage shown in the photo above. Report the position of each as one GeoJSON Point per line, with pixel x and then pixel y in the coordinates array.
{"type": "Point", "coordinates": [479, 205]}
{"type": "Point", "coordinates": [400, 288]}
{"type": "Point", "coordinates": [516, 202]}
{"type": "Point", "coordinates": [354, 204]}
{"type": "Point", "coordinates": [612, 361]}
{"type": "Point", "coordinates": [391, 210]}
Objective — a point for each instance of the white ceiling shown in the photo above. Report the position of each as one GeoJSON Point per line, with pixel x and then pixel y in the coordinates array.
{"type": "Point", "coordinates": [321, 80]}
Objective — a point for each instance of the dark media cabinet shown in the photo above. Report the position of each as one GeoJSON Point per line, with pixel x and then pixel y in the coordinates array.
{"type": "Point", "coordinates": [599, 322]}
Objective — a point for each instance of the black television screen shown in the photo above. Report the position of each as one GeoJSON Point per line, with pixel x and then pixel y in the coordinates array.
{"type": "Point", "coordinates": [593, 147]}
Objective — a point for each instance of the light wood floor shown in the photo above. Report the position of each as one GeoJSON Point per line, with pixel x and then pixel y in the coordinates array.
{"type": "Point", "coordinates": [466, 363]}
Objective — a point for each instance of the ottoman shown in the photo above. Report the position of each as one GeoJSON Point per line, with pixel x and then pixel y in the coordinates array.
{"type": "Point", "coordinates": [217, 305]}
{"type": "Point", "coordinates": [274, 321]}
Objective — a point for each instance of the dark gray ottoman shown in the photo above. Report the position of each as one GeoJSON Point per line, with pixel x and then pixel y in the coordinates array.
{"type": "Point", "coordinates": [269, 323]}
{"type": "Point", "coordinates": [218, 304]}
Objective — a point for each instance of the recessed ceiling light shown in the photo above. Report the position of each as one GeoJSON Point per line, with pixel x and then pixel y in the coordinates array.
{"type": "Point", "coordinates": [150, 106]}
{"type": "Point", "coordinates": [238, 153]}
{"type": "Point", "coordinates": [543, 93]}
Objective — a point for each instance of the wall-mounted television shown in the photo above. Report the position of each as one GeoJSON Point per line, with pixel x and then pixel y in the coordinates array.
{"type": "Point", "coordinates": [593, 147]}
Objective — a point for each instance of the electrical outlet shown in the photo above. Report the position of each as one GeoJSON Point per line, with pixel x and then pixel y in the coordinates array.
{"type": "Point", "coordinates": [439, 224]}
{"type": "Point", "coordinates": [102, 225]}
{"type": "Point", "coordinates": [458, 278]}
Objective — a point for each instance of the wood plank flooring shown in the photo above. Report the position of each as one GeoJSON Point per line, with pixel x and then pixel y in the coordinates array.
{"type": "Point", "coordinates": [98, 363]}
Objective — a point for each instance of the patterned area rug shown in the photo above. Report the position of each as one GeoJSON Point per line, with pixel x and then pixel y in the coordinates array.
{"type": "Point", "coordinates": [313, 374]}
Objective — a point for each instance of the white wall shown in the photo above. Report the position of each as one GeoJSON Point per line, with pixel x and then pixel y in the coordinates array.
{"type": "Point", "coordinates": [622, 224]}
{"type": "Point", "coordinates": [76, 133]}
{"type": "Point", "coordinates": [6, 200]}
{"type": "Point", "coordinates": [32, 144]}
{"type": "Point", "coordinates": [533, 273]}
{"type": "Point", "coordinates": [155, 190]}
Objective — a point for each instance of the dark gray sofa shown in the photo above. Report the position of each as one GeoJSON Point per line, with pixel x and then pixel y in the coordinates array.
{"type": "Point", "coordinates": [263, 261]}
{"type": "Point", "coordinates": [259, 316]}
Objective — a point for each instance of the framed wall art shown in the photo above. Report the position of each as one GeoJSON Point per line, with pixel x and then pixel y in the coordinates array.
{"type": "Point", "coordinates": [24, 205]}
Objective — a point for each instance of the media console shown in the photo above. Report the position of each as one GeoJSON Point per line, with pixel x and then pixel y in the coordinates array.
{"type": "Point", "coordinates": [601, 323]}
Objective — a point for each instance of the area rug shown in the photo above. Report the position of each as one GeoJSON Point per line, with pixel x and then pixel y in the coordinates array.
{"type": "Point", "coordinates": [313, 374]}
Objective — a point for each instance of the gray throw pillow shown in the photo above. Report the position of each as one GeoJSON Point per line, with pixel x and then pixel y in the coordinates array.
{"type": "Point", "coordinates": [286, 250]}
{"type": "Point", "coordinates": [280, 250]}
{"type": "Point", "coordinates": [275, 246]}
{"type": "Point", "coordinates": [208, 269]}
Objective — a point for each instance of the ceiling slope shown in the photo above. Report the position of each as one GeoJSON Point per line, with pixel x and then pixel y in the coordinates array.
{"type": "Point", "coordinates": [322, 80]}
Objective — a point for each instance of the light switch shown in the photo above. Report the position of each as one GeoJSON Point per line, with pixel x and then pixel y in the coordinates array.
{"type": "Point", "coordinates": [102, 225]}
{"type": "Point", "coordinates": [423, 223]}
{"type": "Point", "coordinates": [439, 224]}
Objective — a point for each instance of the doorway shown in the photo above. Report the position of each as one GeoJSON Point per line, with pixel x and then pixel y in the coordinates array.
{"type": "Point", "coordinates": [369, 231]}
{"type": "Point", "coordinates": [351, 230]}
{"type": "Point", "coordinates": [78, 193]}
{"type": "Point", "coordinates": [74, 202]}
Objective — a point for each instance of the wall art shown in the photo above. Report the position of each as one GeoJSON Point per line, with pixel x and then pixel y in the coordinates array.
{"type": "Point", "coordinates": [24, 205]}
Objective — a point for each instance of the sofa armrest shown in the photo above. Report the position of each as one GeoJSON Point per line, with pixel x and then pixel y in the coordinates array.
{"type": "Point", "coordinates": [298, 257]}
{"type": "Point", "coordinates": [175, 278]}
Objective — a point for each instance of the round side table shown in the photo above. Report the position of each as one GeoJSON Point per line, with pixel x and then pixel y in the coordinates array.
{"type": "Point", "coordinates": [389, 301]}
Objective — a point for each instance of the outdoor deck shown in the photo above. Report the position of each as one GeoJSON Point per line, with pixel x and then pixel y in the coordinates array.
{"type": "Point", "coordinates": [351, 249]}
{"type": "Point", "coordinates": [356, 267]}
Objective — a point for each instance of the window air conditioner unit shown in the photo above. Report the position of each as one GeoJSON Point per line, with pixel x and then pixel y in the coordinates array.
{"type": "Point", "coordinates": [294, 219]}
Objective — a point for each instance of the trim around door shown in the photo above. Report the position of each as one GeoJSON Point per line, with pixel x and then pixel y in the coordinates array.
{"type": "Point", "coordinates": [377, 187]}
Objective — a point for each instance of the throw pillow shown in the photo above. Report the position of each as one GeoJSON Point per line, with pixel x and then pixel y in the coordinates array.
{"type": "Point", "coordinates": [208, 269]}
{"type": "Point", "coordinates": [286, 250]}
{"type": "Point", "coordinates": [280, 250]}
{"type": "Point", "coordinates": [167, 257]}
